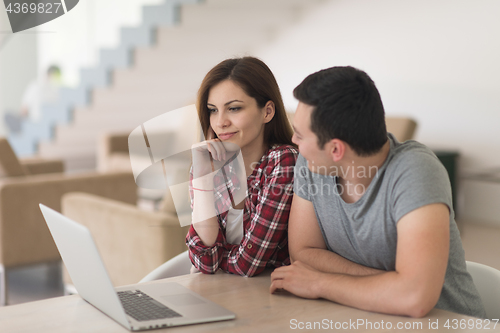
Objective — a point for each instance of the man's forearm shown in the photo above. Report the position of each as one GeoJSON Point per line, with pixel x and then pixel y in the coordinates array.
{"type": "Point", "coordinates": [388, 292]}
{"type": "Point", "coordinates": [330, 262]}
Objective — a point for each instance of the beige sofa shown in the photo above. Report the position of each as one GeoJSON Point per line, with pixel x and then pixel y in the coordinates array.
{"type": "Point", "coordinates": [11, 166]}
{"type": "Point", "coordinates": [147, 239]}
{"type": "Point", "coordinates": [132, 242]}
{"type": "Point", "coordinates": [24, 236]}
{"type": "Point", "coordinates": [112, 152]}
{"type": "Point", "coordinates": [402, 128]}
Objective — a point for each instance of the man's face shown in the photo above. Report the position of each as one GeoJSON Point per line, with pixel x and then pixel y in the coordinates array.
{"type": "Point", "coordinates": [318, 159]}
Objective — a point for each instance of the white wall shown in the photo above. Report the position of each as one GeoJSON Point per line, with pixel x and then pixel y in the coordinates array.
{"type": "Point", "coordinates": [436, 61]}
{"type": "Point", "coordinates": [18, 65]}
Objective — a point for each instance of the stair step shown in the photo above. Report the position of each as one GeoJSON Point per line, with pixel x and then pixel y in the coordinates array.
{"type": "Point", "coordinates": [174, 39]}
{"type": "Point", "coordinates": [226, 16]}
{"type": "Point", "coordinates": [263, 3]}
{"type": "Point", "coordinates": [82, 136]}
{"type": "Point", "coordinates": [84, 118]}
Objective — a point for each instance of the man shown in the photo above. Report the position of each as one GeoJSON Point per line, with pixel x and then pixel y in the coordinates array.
{"type": "Point", "coordinates": [371, 223]}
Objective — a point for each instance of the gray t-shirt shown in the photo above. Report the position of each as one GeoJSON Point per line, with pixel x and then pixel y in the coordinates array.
{"type": "Point", "coordinates": [365, 231]}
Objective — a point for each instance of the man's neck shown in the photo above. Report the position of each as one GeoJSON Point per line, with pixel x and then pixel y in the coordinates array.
{"type": "Point", "coordinates": [354, 178]}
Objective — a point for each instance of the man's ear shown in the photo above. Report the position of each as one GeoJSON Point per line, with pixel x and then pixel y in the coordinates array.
{"type": "Point", "coordinates": [269, 110]}
{"type": "Point", "coordinates": [337, 149]}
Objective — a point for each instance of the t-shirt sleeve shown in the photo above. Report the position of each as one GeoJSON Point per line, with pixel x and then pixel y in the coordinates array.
{"type": "Point", "coordinates": [419, 180]}
{"type": "Point", "coordinates": [301, 181]}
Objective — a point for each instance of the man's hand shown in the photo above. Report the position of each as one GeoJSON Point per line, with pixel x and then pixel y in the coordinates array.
{"type": "Point", "coordinates": [298, 278]}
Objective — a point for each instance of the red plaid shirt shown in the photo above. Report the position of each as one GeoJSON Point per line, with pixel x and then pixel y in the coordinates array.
{"type": "Point", "coordinates": [265, 219]}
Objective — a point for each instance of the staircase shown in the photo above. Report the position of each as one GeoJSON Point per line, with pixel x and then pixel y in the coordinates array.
{"type": "Point", "coordinates": [157, 68]}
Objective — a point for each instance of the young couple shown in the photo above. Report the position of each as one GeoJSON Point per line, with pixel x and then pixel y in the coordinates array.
{"type": "Point", "coordinates": [383, 241]}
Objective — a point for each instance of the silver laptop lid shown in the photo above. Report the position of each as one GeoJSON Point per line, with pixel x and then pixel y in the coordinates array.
{"type": "Point", "coordinates": [84, 264]}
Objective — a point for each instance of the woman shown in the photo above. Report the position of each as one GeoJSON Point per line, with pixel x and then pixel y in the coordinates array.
{"type": "Point", "coordinates": [239, 105]}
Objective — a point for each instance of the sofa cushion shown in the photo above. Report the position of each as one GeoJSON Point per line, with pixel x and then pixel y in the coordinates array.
{"type": "Point", "coordinates": [9, 163]}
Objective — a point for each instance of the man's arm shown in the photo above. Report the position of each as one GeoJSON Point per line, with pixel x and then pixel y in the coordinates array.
{"type": "Point", "coordinates": [306, 243]}
{"type": "Point", "coordinates": [413, 289]}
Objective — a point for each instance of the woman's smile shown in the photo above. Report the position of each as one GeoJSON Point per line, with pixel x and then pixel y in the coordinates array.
{"type": "Point", "coordinates": [226, 135]}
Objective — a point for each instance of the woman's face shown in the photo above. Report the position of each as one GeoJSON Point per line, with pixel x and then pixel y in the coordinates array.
{"type": "Point", "coordinates": [235, 117]}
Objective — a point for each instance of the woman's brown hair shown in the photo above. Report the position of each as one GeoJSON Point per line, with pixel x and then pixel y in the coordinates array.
{"type": "Point", "coordinates": [257, 80]}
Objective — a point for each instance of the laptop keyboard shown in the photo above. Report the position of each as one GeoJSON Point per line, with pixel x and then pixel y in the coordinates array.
{"type": "Point", "coordinates": [141, 307]}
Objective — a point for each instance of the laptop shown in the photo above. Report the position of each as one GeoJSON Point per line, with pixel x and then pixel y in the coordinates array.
{"type": "Point", "coordinates": [136, 307]}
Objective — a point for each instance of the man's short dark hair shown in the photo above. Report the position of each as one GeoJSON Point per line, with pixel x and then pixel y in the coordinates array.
{"type": "Point", "coordinates": [347, 106]}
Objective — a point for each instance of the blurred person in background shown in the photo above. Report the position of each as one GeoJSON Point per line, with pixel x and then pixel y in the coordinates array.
{"type": "Point", "coordinates": [40, 91]}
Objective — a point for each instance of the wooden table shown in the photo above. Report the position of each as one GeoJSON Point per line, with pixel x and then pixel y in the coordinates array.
{"type": "Point", "coordinates": [249, 298]}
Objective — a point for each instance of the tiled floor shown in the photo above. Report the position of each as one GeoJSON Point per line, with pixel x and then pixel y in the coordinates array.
{"type": "Point", "coordinates": [481, 244]}
{"type": "Point", "coordinates": [38, 282]}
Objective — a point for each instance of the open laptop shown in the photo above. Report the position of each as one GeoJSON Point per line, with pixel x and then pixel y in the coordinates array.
{"type": "Point", "coordinates": [137, 307]}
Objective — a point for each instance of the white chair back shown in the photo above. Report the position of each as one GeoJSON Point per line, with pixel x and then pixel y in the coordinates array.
{"type": "Point", "coordinates": [487, 282]}
{"type": "Point", "coordinates": [178, 265]}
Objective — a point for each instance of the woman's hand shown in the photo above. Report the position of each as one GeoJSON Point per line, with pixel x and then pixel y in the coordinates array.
{"type": "Point", "coordinates": [204, 215]}
{"type": "Point", "coordinates": [204, 154]}
{"type": "Point", "coordinates": [209, 156]}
